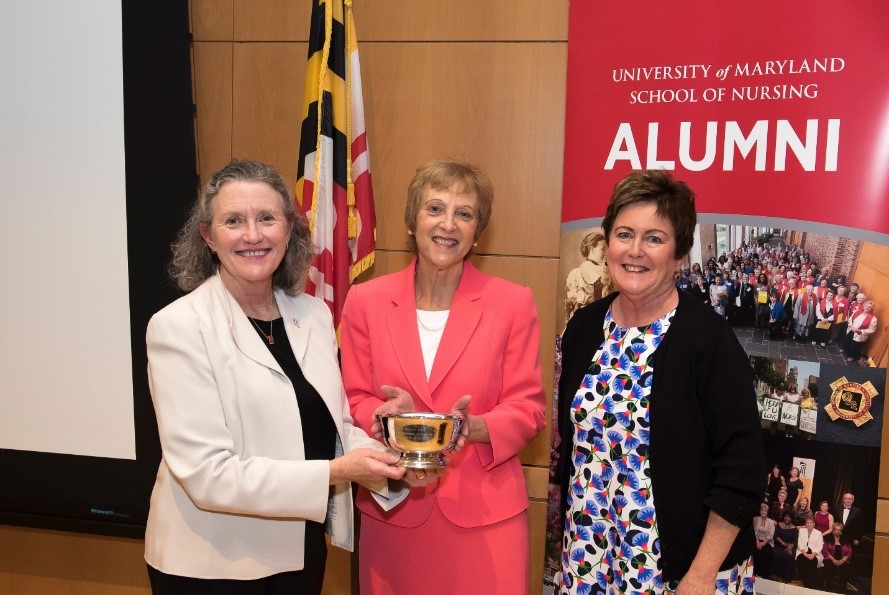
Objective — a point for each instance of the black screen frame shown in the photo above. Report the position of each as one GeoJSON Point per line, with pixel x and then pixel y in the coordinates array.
{"type": "Point", "coordinates": [102, 495]}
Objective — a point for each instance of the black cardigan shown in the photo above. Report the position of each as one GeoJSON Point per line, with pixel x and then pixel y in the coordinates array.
{"type": "Point", "coordinates": [706, 450]}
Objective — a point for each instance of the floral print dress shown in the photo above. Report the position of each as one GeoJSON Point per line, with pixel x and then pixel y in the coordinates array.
{"type": "Point", "coordinates": [610, 543]}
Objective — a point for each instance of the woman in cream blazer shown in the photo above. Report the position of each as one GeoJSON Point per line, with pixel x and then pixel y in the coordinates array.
{"type": "Point", "coordinates": [235, 490]}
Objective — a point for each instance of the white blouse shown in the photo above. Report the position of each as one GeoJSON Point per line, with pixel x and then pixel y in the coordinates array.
{"type": "Point", "coordinates": [431, 324]}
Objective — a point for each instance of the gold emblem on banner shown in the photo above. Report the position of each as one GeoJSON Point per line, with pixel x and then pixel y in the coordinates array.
{"type": "Point", "coordinates": [851, 401]}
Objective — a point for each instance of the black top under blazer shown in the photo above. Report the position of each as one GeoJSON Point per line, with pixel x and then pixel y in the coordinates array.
{"type": "Point", "coordinates": [706, 450]}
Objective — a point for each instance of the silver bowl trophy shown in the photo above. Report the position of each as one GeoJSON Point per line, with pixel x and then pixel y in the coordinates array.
{"type": "Point", "coordinates": [421, 437]}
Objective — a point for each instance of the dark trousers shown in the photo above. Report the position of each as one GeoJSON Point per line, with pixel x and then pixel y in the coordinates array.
{"type": "Point", "coordinates": [852, 348]}
{"type": "Point", "coordinates": [782, 564]}
{"type": "Point", "coordinates": [762, 561]}
{"type": "Point", "coordinates": [807, 571]}
{"type": "Point", "coordinates": [762, 315]}
{"type": "Point", "coordinates": [307, 581]}
{"type": "Point", "coordinates": [835, 577]}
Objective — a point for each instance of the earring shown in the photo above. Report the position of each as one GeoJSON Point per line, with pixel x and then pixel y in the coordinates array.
{"type": "Point", "coordinates": [475, 243]}
{"type": "Point", "coordinates": [410, 233]}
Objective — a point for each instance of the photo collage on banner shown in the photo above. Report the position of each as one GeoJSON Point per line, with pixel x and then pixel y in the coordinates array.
{"type": "Point", "coordinates": [780, 131]}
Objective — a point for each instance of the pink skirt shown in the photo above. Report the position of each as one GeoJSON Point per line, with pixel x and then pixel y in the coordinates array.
{"type": "Point", "coordinates": [438, 557]}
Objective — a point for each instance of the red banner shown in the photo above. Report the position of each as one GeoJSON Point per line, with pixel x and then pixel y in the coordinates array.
{"type": "Point", "coordinates": [777, 109]}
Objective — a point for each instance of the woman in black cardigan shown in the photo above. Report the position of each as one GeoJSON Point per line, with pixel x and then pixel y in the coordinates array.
{"type": "Point", "coordinates": [661, 461]}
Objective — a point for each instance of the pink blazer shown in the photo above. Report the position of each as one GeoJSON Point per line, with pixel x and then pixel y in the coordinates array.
{"type": "Point", "coordinates": [489, 350]}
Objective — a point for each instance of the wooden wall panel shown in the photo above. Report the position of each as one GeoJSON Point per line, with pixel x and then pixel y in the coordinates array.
{"type": "Point", "coordinates": [267, 103]}
{"type": "Point", "coordinates": [48, 562]}
{"type": "Point", "coordinates": [462, 20]}
{"type": "Point", "coordinates": [537, 542]}
{"type": "Point", "coordinates": [337, 574]}
{"type": "Point", "coordinates": [56, 562]}
{"type": "Point", "coordinates": [412, 20]}
{"type": "Point", "coordinates": [499, 105]}
{"type": "Point", "coordinates": [212, 20]}
{"type": "Point", "coordinates": [417, 111]}
{"type": "Point", "coordinates": [273, 20]}
{"type": "Point", "coordinates": [881, 565]}
{"type": "Point", "coordinates": [537, 480]}
{"type": "Point", "coordinates": [882, 524]}
{"type": "Point", "coordinates": [387, 262]}
{"type": "Point", "coordinates": [213, 97]}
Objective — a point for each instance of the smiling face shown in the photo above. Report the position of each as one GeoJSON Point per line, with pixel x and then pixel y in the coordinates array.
{"type": "Point", "coordinates": [837, 531]}
{"type": "Point", "coordinates": [641, 253]}
{"type": "Point", "coordinates": [445, 227]}
{"type": "Point", "coordinates": [248, 232]}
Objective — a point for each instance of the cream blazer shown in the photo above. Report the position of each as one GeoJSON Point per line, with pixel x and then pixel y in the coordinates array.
{"type": "Point", "coordinates": [234, 489]}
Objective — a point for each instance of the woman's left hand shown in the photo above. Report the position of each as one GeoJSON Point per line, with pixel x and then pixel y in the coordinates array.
{"type": "Point", "coordinates": [461, 411]}
{"type": "Point", "coordinates": [695, 584]}
{"type": "Point", "coordinates": [418, 478]}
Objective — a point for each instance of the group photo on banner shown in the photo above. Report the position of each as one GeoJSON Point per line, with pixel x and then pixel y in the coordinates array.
{"type": "Point", "coordinates": [725, 224]}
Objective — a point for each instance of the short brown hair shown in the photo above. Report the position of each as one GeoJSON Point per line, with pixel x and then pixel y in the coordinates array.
{"type": "Point", "coordinates": [674, 200]}
{"type": "Point", "coordinates": [442, 174]}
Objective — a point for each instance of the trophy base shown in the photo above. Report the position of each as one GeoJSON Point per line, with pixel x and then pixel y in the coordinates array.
{"type": "Point", "coordinates": [421, 460]}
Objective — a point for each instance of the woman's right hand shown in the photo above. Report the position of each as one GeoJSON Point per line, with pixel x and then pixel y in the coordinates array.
{"type": "Point", "coordinates": [365, 466]}
{"type": "Point", "coordinates": [400, 401]}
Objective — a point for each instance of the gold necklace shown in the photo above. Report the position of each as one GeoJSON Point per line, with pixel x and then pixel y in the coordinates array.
{"type": "Point", "coordinates": [269, 337]}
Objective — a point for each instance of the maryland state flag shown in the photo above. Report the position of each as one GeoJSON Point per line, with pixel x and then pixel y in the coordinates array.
{"type": "Point", "coordinates": [333, 184]}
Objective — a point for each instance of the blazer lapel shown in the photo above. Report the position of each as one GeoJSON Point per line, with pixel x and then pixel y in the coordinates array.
{"type": "Point", "coordinates": [466, 313]}
{"type": "Point", "coordinates": [462, 322]}
{"type": "Point", "coordinates": [243, 333]}
{"type": "Point", "coordinates": [298, 326]}
{"type": "Point", "coordinates": [405, 338]}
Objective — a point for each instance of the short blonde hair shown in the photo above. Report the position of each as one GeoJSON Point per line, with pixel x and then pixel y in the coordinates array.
{"type": "Point", "coordinates": [443, 174]}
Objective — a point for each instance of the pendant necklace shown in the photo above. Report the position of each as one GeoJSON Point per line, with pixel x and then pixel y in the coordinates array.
{"type": "Point", "coordinates": [270, 337]}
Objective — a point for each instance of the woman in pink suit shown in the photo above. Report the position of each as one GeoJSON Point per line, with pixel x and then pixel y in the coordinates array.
{"type": "Point", "coordinates": [442, 336]}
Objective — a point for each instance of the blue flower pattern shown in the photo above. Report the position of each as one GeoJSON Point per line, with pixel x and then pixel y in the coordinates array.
{"type": "Point", "coordinates": [611, 544]}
